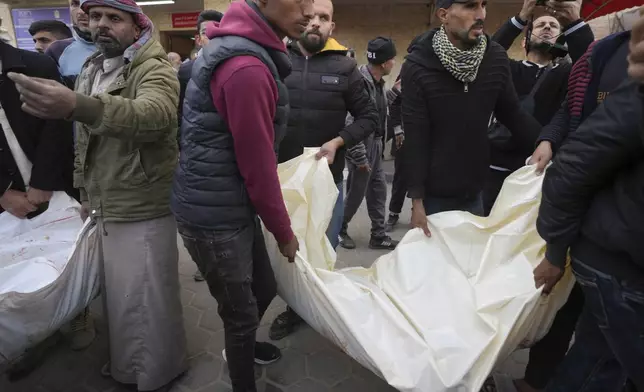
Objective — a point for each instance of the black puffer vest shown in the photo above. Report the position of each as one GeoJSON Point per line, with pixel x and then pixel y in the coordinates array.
{"type": "Point", "coordinates": [209, 191]}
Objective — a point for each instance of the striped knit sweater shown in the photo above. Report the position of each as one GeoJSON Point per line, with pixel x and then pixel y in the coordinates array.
{"type": "Point", "coordinates": [578, 82]}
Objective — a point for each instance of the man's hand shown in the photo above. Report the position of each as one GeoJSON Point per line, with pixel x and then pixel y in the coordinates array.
{"type": "Point", "coordinates": [547, 275]}
{"type": "Point", "coordinates": [400, 138]}
{"type": "Point", "coordinates": [565, 11]}
{"type": "Point", "coordinates": [365, 168]}
{"type": "Point", "coordinates": [527, 9]}
{"type": "Point", "coordinates": [636, 56]}
{"type": "Point", "coordinates": [419, 218]}
{"type": "Point", "coordinates": [44, 98]}
{"type": "Point", "coordinates": [38, 197]}
{"type": "Point", "coordinates": [16, 203]}
{"type": "Point", "coordinates": [329, 148]}
{"type": "Point", "coordinates": [541, 156]}
{"type": "Point", "coordinates": [290, 249]}
{"type": "Point", "coordinates": [84, 211]}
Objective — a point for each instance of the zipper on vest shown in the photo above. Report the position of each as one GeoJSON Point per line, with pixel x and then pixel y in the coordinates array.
{"type": "Point", "coordinates": [466, 87]}
{"type": "Point", "coordinates": [305, 73]}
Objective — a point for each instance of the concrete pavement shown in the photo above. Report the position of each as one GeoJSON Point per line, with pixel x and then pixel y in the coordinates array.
{"type": "Point", "coordinates": [309, 364]}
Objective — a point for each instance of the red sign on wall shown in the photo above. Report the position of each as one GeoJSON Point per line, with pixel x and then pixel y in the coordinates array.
{"type": "Point", "coordinates": [185, 19]}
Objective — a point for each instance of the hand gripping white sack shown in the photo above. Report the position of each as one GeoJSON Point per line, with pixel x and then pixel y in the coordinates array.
{"type": "Point", "coordinates": [437, 313]}
{"type": "Point", "coordinates": [48, 273]}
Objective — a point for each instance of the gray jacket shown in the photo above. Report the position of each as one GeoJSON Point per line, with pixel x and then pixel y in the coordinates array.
{"type": "Point", "coordinates": [357, 154]}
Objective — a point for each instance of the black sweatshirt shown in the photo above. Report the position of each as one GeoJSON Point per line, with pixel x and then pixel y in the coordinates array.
{"type": "Point", "coordinates": [446, 120]}
{"type": "Point", "coordinates": [525, 74]}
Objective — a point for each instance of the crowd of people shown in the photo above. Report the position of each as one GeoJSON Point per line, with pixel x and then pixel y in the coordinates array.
{"type": "Point", "coordinates": [152, 146]}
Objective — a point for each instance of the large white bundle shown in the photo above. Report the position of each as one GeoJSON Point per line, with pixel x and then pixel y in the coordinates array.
{"type": "Point", "coordinates": [48, 273]}
{"type": "Point", "coordinates": [436, 314]}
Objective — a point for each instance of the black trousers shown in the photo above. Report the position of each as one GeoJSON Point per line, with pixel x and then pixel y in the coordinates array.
{"type": "Point", "coordinates": [399, 186]}
{"type": "Point", "coordinates": [549, 352]}
{"type": "Point", "coordinates": [237, 268]}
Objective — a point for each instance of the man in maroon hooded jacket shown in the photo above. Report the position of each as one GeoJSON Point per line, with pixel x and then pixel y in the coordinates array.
{"type": "Point", "coordinates": [236, 108]}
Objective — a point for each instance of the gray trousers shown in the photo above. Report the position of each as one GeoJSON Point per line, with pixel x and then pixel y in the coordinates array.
{"type": "Point", "coordinates": [140, 272]}
{"type": "Point", "coordinates": [373, 186]}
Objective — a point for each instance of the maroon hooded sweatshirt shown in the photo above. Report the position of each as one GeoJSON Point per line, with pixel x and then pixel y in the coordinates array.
{"type": "Point", "coordinates": [245, 95]}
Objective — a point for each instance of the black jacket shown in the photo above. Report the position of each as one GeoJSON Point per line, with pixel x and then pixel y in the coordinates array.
{"type": "Point", "coordinates": [553, 89]}
{"type": "Point", "coordinates": [184, 74]}
{"type": "Point", "coordinates": [322, 89]}
{"type": "Point", "coordinates": [593, 197]}
{"type": "Point", "coordinates": [48, 144]}
{"type": "Point", "coordinates": [446, 122]}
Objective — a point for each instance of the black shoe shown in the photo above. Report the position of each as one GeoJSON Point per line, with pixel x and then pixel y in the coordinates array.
{"type": "Point", "coordinates": [392, 222]}
{"type": "Point", "coordinates": [383, 243]}
{"type": "Point", "coordinates": [265, 353]}
{"type": "Point", "coordinates": [284, 325]}
{"type": "Point", "coordinates": [198, 277]}
{"type": "Point", "coordinates": [346, 241]}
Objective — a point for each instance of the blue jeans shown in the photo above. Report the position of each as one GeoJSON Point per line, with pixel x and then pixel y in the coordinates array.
{"type": "Point", "coordinates": [471, 204]}
{"type": "Point", "coordinates": [609, 340]}
{"type": "Point", "coordinates": [335, 225]}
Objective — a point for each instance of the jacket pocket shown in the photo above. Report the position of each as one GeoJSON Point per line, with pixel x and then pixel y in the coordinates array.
{"type": "Point", "coordinates": [132, 173]}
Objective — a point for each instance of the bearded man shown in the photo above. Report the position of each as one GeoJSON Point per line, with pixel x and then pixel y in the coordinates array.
{"type": "Point", "coordinates": [125, 109]}
{"type": "Point", "coordinates": [454, 78]}
{"type": "Point", "coordinates": [324, 86]}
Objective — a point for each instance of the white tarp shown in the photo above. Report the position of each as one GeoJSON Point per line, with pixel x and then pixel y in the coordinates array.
{"type": "Point", "coordinates": [48, 273]}
{"type": "Point", "coordinates": [434, 315]}
{"type": "Point", "coordinates": [437, 313]}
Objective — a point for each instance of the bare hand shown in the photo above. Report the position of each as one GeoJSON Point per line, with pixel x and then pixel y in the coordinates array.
{"type": "Point", "coordinates": [16, 203]}
{"type": "Point", "coordinates": [290, 249]}
{"type": "Point", "coordinates": [84, 211]}
{"type": "Point", "coordinates": [365, 168]}
{"type": "Point", "coordinates": [541, 156]}
{"type": "Point", "coordinates": [547, 275]}
{"type": "Point", "coordinates": [565, 11]}
{"type": "Point", "coordinates": [636, 56]}
{"type": "Point", "coordinates": [329, 149]}
{"type": "Point", "coordinates": [527, 9]}
{"type": "Point", "coordinates": [38, 197]}
{"type": "Point", "coordinates": [419, 218]}
{"type": "Point", "coordinates": [44, 98]}
{"type": "Point", "coordinates": [399, 140]}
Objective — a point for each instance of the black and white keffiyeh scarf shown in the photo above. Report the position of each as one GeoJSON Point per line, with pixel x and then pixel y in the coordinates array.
{"type": "Point", "coordinates": [462, 64]}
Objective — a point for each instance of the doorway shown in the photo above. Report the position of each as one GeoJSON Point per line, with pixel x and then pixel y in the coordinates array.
{"type": "Point", "coordinates": [182, 42]}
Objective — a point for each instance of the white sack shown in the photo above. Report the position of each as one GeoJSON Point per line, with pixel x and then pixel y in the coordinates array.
{"type": "Point", "coordinates": [437, 313]}
{"type": "Point", "coordinates": [48, 273]}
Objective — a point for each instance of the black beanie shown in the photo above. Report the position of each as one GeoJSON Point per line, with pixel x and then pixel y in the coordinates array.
{"type": "Point", "coordinates": [380, 50]}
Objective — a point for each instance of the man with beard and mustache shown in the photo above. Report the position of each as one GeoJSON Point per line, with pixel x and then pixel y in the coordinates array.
{"type": "Point", "coordinates": [366, 178]}
{"type": "Point", "coordinates": [71, 53]}
{"type": "Point", "coordinates": [564, 25]}
{"type": "Point", "coordinates": [551, 83]}
{"type": "Point", "coordinates": [324, 86]}
{"type": "Point", "coordinates": [454, 78]}
{"type": "Point", "coordinates": [125, 109]}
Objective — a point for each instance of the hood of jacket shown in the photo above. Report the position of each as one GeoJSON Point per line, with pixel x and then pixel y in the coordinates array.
{"type": "Point", "coordinates": [243, 20]}
{"type": "Point", "coordinates": [421, 50]}
{"type": "Point", "coordinates": [332, 46]}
